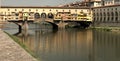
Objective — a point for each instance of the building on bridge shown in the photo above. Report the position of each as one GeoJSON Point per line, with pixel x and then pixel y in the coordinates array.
{"type": "Point", "coordinates": [16, 12]}
{"type": "Point", "coordinates": [80, 15]}
{"type": "Point", "coordinates": [104, 11]}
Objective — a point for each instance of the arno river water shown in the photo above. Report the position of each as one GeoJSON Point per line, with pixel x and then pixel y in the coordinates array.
{"type": "Point", "coordinates": [69, 44]}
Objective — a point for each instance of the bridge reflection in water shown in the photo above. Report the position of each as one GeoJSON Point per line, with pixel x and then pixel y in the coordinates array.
{"type": "Point", "coordinates": [74, 45]}
{"type": "Point", "coordinates": [106, 46]}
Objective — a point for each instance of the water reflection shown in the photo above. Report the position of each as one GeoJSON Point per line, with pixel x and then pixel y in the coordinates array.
{"type": "Point", "coordinates": [72, 44]}
{"type": "Point", "coordinates": [63, 45]}
{"type": "Point", "coordinates": [106, 46]}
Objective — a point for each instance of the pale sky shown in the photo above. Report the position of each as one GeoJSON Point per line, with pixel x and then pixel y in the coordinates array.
{"type": "Point", "coordinates": [35, 2]}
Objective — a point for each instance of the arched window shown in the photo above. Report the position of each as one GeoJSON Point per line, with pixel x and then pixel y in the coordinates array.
{"type": "Point", "coordinates": [115, 8]}
{"type": "Point", "coordinates": [36, 15]}
{"type": "Point", "coordinates": [97, 19]}
{"type": "Point", "coordinates": [50, 15]}
{"type": "Point", "coordinates": [94, 14]}
{"type": "Point", "coordinates": [104, 19]}
{"type": "Point", "coordinates": [108, 14]}
{"type": "Point", "coordinates": [100, 14]}
{"type": "Point", "coordinates": [108, 19]}
{"type": "Point", "coordinates": [104, 14]}
{"type": "Point", "coordinates": [116, 19]}
{"type": "Point", "coordinates": [100, 19]}
{"type": "Point", "coordinates": [112, 18]}
{"type": "Point", "coordinates": [112, 14]}
{"type": "Point", "coordinates": [116, 13]}
{"type": "Point", "coordinates": [43, 15]}
{"type": "Point", "coordinates": [97, 14]}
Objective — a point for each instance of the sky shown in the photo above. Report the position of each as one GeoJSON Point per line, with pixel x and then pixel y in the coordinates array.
{"type": "Point", "coordinates": [35, 2]}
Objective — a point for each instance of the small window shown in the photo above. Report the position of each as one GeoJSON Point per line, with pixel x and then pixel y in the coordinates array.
{"type": "Point", "coordinates": [36, 9]}
{"type": "Point", "coordinates": [50, 10]}
{"type": "Point", "coordinates": [63, 10]}
{"type": "Point", "coordinates": [69, 10]}
{"type": "Point", "coordinates": [43, 10]}
{"type": "Point", "coordinates": [29, 9]}
{"type": "Point", "coordinates": [115, 8]}
{"type": "Point", "coordinates": [104, 14]}
{"type": "Point", "coordinates": [8, 9]}
{"type": "Point", "coordinates": [108, 19]}
{"type": "Point", "coordinates": [94, 14]}
{"type": "Point", "coordinates": [15, 9]}
{"type": "Point", "coordinates": [112, 9]}
{"type": "Point", "coordinates": [116, 14]}
{"type": "Point", "coordinates": [116, 18]}
{"type": "Point", "coordinates": [112, 18]}
{"type": "Point", "coordinates": [104, 9]}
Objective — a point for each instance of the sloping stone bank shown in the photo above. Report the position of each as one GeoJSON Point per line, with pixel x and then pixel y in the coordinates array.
{"type": "Point", "coordinates": [11, 51]}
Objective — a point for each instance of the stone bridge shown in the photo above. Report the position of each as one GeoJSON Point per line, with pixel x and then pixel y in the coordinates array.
{"type": "Point", "coordinates": [56, 16]}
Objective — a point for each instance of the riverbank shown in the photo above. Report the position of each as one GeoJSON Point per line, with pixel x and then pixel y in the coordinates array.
{"type": "Point", "coordinates": [11, 51]}
{"type": "Point", "coordinates": [113, 29]}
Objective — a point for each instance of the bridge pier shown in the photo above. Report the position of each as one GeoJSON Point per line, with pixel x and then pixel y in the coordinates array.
{"type": "Point", "coordinates": [25, 25]}
{"type": "Point", "coordinates": [22, 26]}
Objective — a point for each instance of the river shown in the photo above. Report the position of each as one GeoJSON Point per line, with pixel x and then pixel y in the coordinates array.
{"type": "Point", "coordinates": [69, 44]}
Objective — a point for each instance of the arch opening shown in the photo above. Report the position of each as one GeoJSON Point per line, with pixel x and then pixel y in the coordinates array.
{"type": "Point", "coordinates": [43, 15]}
{"type": "Point", "coordinates": [36, 15]}
{"type": "Point", "coordinates": [50, 15]}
